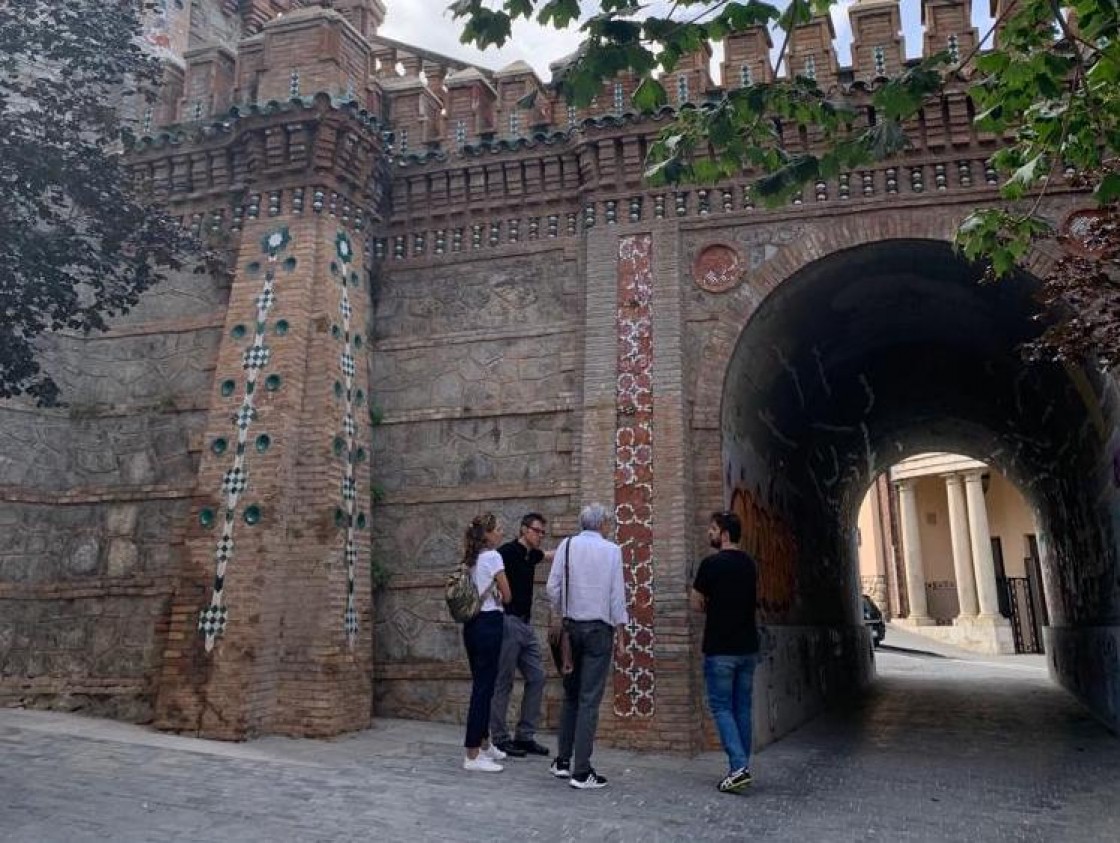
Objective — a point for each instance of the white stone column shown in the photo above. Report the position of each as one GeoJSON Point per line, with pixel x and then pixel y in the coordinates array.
{"type": "Point", "coordinates": [962, 551]}
{"type": "Point", "coordinates": [981, 539]}
{"type": "Point", "coordinates": [912, 555]}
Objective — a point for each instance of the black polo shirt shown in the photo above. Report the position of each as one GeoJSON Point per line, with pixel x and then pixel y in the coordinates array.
{"type": "Point", "coordinates": [520, 564]}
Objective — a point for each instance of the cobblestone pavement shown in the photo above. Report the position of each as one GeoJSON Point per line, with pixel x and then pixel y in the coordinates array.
{"type": "Point", "coordinates": [943, 749]}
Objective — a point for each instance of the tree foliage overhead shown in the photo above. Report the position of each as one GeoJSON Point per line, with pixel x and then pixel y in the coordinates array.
{"type": "Point", "coordinates": [1046, 76]}
{"type": "Point", "coordinates": [76, 242]}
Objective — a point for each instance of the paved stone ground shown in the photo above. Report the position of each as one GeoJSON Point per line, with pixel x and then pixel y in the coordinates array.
{"type": "Point", "coordinates": [944, 749]}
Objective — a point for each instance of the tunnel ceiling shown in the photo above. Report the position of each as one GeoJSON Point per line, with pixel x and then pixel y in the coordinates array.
{"type": "Point", "coordinates": [882, 351]}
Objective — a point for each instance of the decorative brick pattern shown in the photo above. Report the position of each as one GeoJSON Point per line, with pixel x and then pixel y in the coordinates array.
{"type": "Point", "coordinates": [344, 250]}
{"type": "Point", "coordinates": [213, 618]}
{"type": "Point", "coordinates": [634, 673]}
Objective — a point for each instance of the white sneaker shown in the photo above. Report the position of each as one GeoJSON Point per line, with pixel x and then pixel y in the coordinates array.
{"type": "Point", "coordinates": [481, 764]}
{"type": "Point", "coordinates": [493, 753]}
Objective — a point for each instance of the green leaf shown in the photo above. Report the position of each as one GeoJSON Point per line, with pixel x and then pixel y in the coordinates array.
{"type": "Point", "coordinates": [1109, 189]}
{"type": "Point", "coordinates": [1030, 172]}
{"type": "Point", "coordinates": [650, 95]}
{"type": "Point", "coordinates": [559, 13]}
{"type": "Point", "coordinates": [519, 8]}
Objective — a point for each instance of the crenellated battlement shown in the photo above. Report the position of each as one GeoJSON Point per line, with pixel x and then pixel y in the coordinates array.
{"type": "Point", "coordinates": [435, 103]}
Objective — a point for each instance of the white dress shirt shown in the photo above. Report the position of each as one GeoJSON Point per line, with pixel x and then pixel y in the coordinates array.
{"type": "Point", "coordinates": [596, 591]}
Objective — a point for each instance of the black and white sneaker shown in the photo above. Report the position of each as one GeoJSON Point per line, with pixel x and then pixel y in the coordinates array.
{"type": "Point", "coordinates": [561, 768]}
{"type": "Point", "coordinates": [592, 781]}
{"type": "Point", "coordinates": [736, 781]}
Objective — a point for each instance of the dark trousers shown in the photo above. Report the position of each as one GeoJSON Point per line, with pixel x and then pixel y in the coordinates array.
{"type": "Point", "coordinates": [592, 643]}
{"type": "Point", "coordinates": [482, 637]}
{"type": "Point", "coordinates": [520, 651]}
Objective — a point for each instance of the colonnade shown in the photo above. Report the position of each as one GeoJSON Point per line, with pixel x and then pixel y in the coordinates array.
{"type": "Point", "coordinates": [973, 563]}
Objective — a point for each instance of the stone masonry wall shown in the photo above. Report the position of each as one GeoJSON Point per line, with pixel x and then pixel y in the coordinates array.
{"type": "Point", "coordinates": [475, 374]}
{"type": "Point", "coordinates": [93, 498]}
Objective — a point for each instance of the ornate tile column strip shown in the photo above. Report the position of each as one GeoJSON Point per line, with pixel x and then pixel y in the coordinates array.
{"type": "Point", "coordinates": [213, 618]}
{"type": "Point", "coordinates": [634, 674]}
{"type": "Point", "coordinates": [344, 249]}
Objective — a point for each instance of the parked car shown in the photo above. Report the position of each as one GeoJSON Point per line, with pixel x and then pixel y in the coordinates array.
{"type": "Point", "coordinates": [873, 619]}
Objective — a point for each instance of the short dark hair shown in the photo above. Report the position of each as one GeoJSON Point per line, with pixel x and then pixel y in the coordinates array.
{"type": "Point", "coordinates": [728, 522]}
{"type": "Point", "coordinates": [529, 517]}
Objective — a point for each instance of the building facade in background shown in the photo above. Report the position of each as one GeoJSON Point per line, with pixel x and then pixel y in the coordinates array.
{"type": "Point", "coordinates": [953, 554]}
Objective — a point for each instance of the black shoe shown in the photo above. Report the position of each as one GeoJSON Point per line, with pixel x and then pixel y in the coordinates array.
{"type": "Point", "coordinates": [561, 768]}
{"type": "Point", "coordinates": [591, 781]}
{"type": "Point", "coordinates": [736, 781]}
{"type": "Point", "coordinates": [532, 747]}
{"type": "Point", "coordinates": [510, 748]}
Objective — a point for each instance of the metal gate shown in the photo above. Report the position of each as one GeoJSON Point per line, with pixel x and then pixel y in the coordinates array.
{"type": "Point", "coordinates": [1025, 624]}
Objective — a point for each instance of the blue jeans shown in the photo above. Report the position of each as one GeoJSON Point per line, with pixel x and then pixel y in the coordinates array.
{"type": "Point", "coordinates": [730, 681]}
{"type": "Point", "coordinates": [482, 637]}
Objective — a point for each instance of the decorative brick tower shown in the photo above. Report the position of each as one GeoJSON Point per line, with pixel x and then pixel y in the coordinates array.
{"type": "Point", "coordinates": [811, 53]}
{"type": "Point", "coordinates": [948, 26]}
{"type": "Point", "coordinates": [746, 58]}
{"type": "Point", "coordinates": [270, 623]}
{"type": "Point", "coordinates": [878, 50]}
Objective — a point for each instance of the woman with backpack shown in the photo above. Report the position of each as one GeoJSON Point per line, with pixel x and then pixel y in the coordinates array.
{"type": "Point", "coordinates": [482, 636]}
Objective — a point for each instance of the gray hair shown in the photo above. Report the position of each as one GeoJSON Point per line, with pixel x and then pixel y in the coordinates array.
{"type": "Point", "coordinates": [594, 516]}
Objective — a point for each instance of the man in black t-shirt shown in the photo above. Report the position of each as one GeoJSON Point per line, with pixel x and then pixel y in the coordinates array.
{"type": "Point", "coordinates": [520, 648]}
{"type": "Point", "coordinates": [726, 590]}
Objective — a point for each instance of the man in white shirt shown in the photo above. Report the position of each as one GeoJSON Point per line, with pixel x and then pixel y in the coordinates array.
{"type": "Point", "coordinates": [586, 590]}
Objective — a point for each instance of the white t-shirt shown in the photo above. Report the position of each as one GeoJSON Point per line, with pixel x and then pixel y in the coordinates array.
{"type": "Point", "coordinates": [485, 569]}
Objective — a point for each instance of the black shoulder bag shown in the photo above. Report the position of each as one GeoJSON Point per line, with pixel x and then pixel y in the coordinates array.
{"type": "Point", "coordinates": [560, 642]}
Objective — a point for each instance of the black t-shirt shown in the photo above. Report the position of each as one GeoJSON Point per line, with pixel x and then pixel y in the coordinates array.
{"type": "Point", "coordinates": [520, 563]}
{"type": "Point", "coordinates": [729, 581]}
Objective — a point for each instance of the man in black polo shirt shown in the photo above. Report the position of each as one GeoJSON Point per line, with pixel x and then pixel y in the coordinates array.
{"type": "Point", "coordinates": [520, 648]}
{"type": "Point", "coordinates": [726, 590]}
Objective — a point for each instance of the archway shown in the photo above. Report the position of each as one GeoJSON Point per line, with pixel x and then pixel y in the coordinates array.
{"type": "Point", "coordinates": [879, 352]}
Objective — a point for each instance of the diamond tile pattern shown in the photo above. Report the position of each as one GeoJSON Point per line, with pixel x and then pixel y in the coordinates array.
{"type": "Point", "coordinates": [212, 621]}
{"type": "Point", "coordinates": [235, 480]}
{"type": "Point", "coordinates": [255, 357]}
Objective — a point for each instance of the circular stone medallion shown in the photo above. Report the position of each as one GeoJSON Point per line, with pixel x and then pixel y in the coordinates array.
{"type": "Point", "coordinates": [717, 268]}
{"type": "Point", "coordinates": [1083, 232]}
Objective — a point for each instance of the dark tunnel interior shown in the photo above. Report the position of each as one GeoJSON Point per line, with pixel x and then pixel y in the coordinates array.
{"type": "Point", "coordinates": [884, 351]}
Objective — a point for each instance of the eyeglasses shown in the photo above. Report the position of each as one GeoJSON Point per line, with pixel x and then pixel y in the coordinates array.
{"type": "Point", "coordinates": [540, 531]}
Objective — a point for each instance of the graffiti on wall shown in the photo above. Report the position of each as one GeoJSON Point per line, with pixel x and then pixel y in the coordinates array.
{"type": "Point", "coordinates": [768, 538]}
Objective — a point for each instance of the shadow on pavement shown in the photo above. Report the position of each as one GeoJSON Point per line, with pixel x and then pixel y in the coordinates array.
{"type": "Point", "coordinates": [907, 651]}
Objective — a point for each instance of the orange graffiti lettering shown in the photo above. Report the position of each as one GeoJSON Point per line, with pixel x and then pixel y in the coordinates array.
{"type": "Point", "coordinates": [770, 541]}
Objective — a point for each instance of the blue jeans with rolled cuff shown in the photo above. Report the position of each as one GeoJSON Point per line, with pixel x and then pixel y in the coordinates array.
{"type": "Point", "coordinates": [730, 683]}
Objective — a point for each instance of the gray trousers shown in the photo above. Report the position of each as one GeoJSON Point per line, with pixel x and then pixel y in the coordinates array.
{"type": "Point", "coordinates": [520, 651]}
{"type": "Point", "coordinates": [592, 646]}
